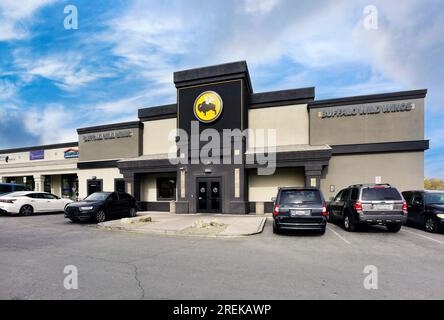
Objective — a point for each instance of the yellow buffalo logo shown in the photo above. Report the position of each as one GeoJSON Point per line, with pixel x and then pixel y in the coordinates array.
{"type": "Point", "coordinates": [208, 106]}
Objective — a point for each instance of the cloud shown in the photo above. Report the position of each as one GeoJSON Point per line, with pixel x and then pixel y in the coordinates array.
{"type": "Point", "coordinates": [260, 6]}
{"type": "Point", "coordinates": [15, 16]}
{"type": "Point", "coordinates": [69, 71]}
{"type": "Point", "coordinates": [49, 124]}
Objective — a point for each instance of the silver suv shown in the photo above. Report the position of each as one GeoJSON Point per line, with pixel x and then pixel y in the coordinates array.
{"type": "Point", "coordinates": [369, 204]}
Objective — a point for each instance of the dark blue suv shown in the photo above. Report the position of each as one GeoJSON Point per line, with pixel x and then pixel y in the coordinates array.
{"type": "Point", "coordinates": [299, 208]}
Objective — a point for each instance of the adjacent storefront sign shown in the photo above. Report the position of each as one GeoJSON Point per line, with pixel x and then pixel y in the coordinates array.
{"type": "Point", "coordinates": [37, 155]}
{"type": "Point", "coordinates": [350, 111]}
{"type": "Point", "coordinates": [109, 135]}
{"type": "Point", "coordinates": [71, 153]}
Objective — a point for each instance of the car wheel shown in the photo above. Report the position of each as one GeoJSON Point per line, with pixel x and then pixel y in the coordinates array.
{"type": "Point", "coordinates": [26, 210]}
{"type": "Point", "coordinates": [394, 227]}
{"type": "Point", "coordinates": [100, 216]}
{"type": "Point", "coordinates": [132, 212]}
{"type": "Point", "coordinates": [431, 225]}
{"type": "Point", "coordinates": [74, 220]}
{"type": "Point", "coordinates": [276, 229]}
{"type": "Point", "coordinates": [349, 225]}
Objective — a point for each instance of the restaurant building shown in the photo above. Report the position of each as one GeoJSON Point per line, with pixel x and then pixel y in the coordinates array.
{"type": "Point", "coordinates": [328, 144]}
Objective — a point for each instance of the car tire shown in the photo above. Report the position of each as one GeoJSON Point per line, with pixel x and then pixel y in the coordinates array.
{"type": "Point", "coordinates": [132, 212]}
{"type": "Point", "coordinates": [100, 216]}
{"type": "Point", "coordinates": [431, 225]}
{"type": "Point", "coordinates": [394, 227]}
{"type": "Point", "coordinates": [74, 220]}
{"type": "Point", "coordinates": [27, 210]}
{"type": "Point", "coordinates": [349, 224]}
{"type": "Point", "coordinates": [276, 229]}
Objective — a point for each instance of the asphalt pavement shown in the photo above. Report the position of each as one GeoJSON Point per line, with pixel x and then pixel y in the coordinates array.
{"type": "Point", "coordinates": [34, 252]}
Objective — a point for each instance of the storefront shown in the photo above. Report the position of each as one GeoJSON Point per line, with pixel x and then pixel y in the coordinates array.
{"type": "Point", "coordinates": [50, 168]}
{"type": "Point", "coordinates": [223, 148]}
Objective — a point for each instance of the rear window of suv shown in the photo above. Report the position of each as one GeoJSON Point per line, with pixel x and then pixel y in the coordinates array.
{"type": "Point", "coordinates": [375, 194]}
{"type": "Point", "coordinates": [299, 196]}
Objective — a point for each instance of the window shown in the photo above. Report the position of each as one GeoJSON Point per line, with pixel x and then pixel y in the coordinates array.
{"type": "Point", "coordinates": [166, 189]}
{"type": "Point", "coordinates": [339, 195]}
{"type": "Point", "coordinates": [408, 196]}
{"type": "Point", "coordinates": [375, 194]}
{"type": "Point", "coordinates": [417, 198]}
{"type": "Point", "coordinates": [119, 185]}
{"type": "Point", "coordinates": [354, 194]}
{"type": "Point", "coordinates": [344, 196]}
{"type": "Point", "coordinates": [299, 196]}
{"type": "Point", "coordinates": [50, 196]}
{"type": "Point", "coordinates": [113, 197]}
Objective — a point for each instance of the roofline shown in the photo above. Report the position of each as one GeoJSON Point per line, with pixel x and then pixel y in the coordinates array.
{"type": "Point", "coordinates": [158, 112]}
{"type": "Point", "coordinates": [391, 96]}
{"type": "Point", "coordinates": [41, 147]}
{"type": "Point", "coordinates": [282, 97]}
{"type": "Point", "coordinates": [109, 127]}
{"type": "Point", "coordinates": [219, 72]}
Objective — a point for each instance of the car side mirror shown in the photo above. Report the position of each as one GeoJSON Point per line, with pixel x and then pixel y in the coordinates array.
{"type": "Point", "coordinates": [273, 199]}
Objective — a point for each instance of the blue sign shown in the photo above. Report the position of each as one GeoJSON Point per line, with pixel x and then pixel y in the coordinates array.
{"type": "Point", "coordinates": [71, 153]}
{"type": "Point", "coordinates": [37, 155]}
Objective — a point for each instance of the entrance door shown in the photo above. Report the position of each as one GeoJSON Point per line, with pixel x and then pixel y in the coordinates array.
{"type": "Point", "coordinates": [94, 186]}
{"type": "Point", "coordinates": [209, 199]}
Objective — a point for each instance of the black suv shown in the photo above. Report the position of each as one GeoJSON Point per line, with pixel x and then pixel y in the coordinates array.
{"type": "Point", "coordinates": [101, 206]}
{"type": "Point", "coordinates": [426, 208]}
{"type": "Point", "coordinates": [299, 209]}
{"type": "Point", "coordinates": [369, 204]}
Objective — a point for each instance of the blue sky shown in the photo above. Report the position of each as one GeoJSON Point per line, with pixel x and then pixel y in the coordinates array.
{"type": "Point", "coordinates": [123, 55]}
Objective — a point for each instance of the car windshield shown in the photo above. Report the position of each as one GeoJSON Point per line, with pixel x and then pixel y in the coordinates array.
{"type": "Point", "coordinates": [434, 198]}
{"type": "Point", "coordinates": [375, 194]}
{"type": "Point", "coordinates": [98, 196]}
{"type": "Point", "coordinates": [299, 196]}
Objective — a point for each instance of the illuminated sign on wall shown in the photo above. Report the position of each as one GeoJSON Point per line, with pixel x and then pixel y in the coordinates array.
{"type": "Point", "coordinates": [339, 112]}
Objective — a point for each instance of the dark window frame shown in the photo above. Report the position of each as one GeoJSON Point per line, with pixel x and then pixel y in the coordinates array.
{"type": "Point", "coordinates": [116, 180]}
{"type": "Point", "coordinates": [93, 180]}
{"type": "Point", "coordinates": [158, 181]}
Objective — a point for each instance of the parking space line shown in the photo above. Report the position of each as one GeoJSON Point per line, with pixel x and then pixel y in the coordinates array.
{"type": "Point", "coordinates": [338, 235]}
{"type": "Point", "coordinates": [425, 237]}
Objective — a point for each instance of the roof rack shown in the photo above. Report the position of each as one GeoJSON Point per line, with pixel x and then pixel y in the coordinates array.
{"type": "Point", "coordinates": [369, 185]}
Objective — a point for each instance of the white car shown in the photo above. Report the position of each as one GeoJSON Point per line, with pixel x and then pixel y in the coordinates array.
{"type": "Point", "coordinates": [28, 202]}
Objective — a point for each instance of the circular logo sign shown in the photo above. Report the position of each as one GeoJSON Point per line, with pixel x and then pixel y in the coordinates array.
{"type": "Point", "coordinates": [208, 106]}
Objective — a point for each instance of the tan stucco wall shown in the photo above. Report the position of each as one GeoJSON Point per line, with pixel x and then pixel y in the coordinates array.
{"type": "Point", "coordinates": [372, 128]}
{"type": "Point", "coordinates": [148, 186]}
{"type": "Point", "coordinates": [107, 175]}
{"type": "Point", "coordinates": [403, 170]}
{"type": "Point", "coordinates": [263, 188]}
{"type": "Point", "coordinates": [155, 136]}
{"type": "Point", "coordinates": [290, 122]}
{"type": "Point", "coordinates": [121, 148]}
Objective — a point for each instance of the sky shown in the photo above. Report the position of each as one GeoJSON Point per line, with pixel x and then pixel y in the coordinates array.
{"type": "Point", "coordinates": [123, 54]}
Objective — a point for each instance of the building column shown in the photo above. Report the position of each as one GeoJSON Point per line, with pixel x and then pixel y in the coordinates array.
{"type": "Point", "coordinates": [132, 184]}
{"type": "Point", "coordinates": [39, 183]}
{"type": "Point", "coordinates": [313, 175]}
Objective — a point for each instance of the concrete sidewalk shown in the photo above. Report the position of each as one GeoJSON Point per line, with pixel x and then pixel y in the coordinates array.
{"type": "Point", "coordinates": [201, 225]}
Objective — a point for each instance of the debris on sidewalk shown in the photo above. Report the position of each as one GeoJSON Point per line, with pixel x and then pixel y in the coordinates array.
{"type": "Point", "coordinates": [144, 219]}
{"type": "Point", "coordinates": [206, 227]}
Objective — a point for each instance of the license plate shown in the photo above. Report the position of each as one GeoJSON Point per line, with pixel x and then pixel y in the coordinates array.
{"type": "Point", "coordinates": [295, 213]}
{"type": "Point", "coordinates": [383, 207]}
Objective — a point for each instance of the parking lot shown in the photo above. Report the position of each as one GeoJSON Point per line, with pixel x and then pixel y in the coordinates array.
{"type": "Point", "coordinates": [116, 265]}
